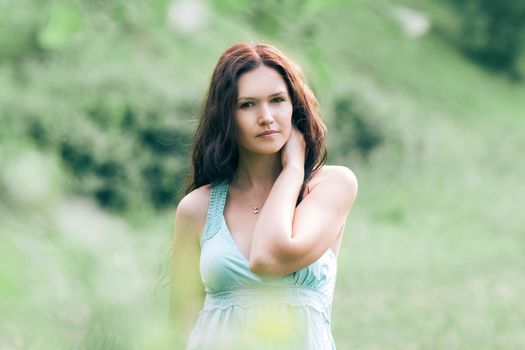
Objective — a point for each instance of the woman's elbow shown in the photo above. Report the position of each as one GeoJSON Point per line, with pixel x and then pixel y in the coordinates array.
{"type": "Point", "coordinates": [272, 264]}
{"type": "Point", "coordinates": [263, 269]}
{"type": "Point", "coordinates": [268, 267]}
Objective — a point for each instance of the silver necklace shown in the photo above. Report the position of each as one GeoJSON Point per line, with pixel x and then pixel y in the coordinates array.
{"type": "Point", "coordinates": [255, 209]}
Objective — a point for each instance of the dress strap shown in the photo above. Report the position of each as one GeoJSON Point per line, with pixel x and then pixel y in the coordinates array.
{"type": "Point", "coordinates": [218, 196]}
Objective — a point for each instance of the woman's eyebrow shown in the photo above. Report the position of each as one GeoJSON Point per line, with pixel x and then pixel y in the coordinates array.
{"type": "Point", "coordinates": [253, 98]}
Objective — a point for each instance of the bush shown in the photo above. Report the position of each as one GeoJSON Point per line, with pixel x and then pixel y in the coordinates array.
{"type": "Point", "coordinates": [355, 132]}
{"type": "Point", "coordinates": [492, 32]}
{"type": "Point", "coordinates": [143, 158]}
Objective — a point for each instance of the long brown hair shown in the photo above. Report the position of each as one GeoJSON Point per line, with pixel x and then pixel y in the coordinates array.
{"type": "Point", "coordinates": [215, 149]}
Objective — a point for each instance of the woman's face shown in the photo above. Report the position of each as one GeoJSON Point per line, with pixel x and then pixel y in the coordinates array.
{"type": "Point", "coordinates": [263, 104]}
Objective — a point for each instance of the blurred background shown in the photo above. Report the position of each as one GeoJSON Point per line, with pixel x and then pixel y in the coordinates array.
{"type": "Point", "coordinates": [424, 101]}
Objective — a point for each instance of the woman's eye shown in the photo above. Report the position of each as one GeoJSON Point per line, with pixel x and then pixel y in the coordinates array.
{"type": "Point", "coordinates": [246, 105]}
{"type": "Point", "coordinates": [278, 99]}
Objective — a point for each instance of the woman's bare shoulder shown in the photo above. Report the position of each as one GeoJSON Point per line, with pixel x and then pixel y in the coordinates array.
{"type": "Point", "coordinates": [339, 173]}
{"type": "Point", "coordinates": [192, 209]}
{"type": "Point", "coordinates": [334, 180]}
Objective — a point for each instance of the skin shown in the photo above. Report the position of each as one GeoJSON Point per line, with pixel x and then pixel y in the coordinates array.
{"type": "Point", "coordinates": [270, 174]}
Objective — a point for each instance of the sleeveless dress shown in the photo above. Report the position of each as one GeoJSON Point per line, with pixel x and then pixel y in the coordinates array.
{"type": "Point", "coordinates": [245, 311]}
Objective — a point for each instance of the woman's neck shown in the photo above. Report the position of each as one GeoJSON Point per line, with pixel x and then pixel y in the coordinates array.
{"type": "Point", "coordinates": [257, 172]}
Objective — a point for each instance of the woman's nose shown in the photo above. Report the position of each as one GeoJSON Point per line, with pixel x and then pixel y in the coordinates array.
{"type": "Point", "coordinates": [266, 115]}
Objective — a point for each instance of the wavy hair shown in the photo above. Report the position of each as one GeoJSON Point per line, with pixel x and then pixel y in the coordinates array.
{"type": "Point", "coordinates": [215, 154]}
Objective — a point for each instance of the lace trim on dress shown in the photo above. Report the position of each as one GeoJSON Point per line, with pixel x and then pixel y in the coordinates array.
{"type": "Point", "coordinates": [213, 219]}
{"type": "Point", "coordinates": [298, 296]}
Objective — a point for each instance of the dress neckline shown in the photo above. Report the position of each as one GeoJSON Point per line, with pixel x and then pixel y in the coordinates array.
{"type": "Point", "coordinates": [225, 187]}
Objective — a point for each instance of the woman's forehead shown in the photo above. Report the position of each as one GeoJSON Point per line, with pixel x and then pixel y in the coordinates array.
{"type": "Point", "coordinates": [260, 82]}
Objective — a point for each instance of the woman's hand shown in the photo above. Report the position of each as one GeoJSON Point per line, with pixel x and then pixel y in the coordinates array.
{"type": "Point", "coordinates": [293, 151]}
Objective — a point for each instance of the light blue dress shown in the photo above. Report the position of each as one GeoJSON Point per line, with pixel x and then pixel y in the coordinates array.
{"type": "Point", "coordinates": [245, 311]}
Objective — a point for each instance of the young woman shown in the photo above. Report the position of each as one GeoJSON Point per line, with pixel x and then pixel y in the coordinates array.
{"type": "Point", "coordinates": [263, 218]}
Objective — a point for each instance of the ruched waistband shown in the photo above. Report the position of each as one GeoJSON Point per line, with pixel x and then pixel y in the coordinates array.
{"type": "Point", "coordinates": [251, 297]}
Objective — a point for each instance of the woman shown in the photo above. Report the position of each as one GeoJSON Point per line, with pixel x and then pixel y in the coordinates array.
{"type": "Point", "coordinates": [264, 211]}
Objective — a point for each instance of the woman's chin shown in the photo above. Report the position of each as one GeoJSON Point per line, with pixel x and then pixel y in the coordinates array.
{"type": "Point", "coordinates": [268, 152]}
{"type": "Point", "coordinates": [265, 150]}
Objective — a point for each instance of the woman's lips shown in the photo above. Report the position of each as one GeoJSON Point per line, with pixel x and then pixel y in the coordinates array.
{"type": "Point", "coordinates": [269, 134]}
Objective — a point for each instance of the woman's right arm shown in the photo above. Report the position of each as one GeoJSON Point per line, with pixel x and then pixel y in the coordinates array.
{"type": "Point", "coordinates": [186, 290]}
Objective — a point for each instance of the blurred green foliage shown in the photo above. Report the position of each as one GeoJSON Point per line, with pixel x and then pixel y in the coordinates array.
{"type": "Point", "coordinates": [77, 84]}
{"type": "Point", "coordinates": [492, 32]}
{"type": "Point", "coordinates": [357, 131]}
{"type": "Point", "coordinates": [63, 21]}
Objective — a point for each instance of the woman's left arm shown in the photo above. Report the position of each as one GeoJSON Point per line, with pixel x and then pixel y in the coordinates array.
{"type": "Point", "coordinates": [286, 238]}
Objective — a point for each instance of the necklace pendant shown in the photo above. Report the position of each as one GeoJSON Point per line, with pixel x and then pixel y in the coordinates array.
{"type": "Point", "coordinates": [256, 210]}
